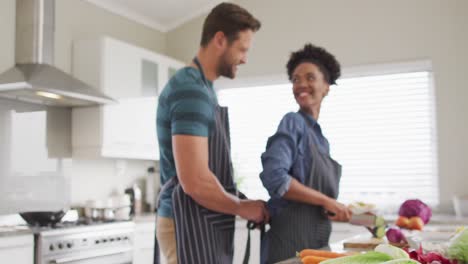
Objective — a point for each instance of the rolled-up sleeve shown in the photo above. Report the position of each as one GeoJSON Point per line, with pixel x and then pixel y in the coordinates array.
{"type": "Point", "coordinates": [279, 156]}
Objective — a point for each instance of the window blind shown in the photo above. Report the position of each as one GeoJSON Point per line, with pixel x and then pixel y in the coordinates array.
{"type": "Point", "coordinates": [380, 127]}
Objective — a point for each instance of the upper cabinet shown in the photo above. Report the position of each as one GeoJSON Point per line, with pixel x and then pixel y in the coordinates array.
{"type": "Point", "coordinates": [134, 77]}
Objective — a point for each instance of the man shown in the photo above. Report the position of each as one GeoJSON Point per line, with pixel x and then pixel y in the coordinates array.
{"type": "Point", "coordinates": [198, 201]}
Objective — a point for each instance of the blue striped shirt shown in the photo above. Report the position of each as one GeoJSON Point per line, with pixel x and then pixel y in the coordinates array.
{"type": "Point", "coordinates": [288, 155]}
{"type": "Point", "coordinates": [186, 106]}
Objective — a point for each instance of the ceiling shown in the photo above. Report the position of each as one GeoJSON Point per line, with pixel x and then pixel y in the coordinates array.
{"type": "Point", "coordinates": [162, 15]}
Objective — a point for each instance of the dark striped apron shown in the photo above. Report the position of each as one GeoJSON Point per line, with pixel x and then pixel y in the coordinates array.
{"type": "Point", "coordinates": [204, 236]}
{"type": "Point", "coordinates": [299, 225]}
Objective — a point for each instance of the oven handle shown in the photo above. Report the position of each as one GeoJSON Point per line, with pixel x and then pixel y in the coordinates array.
{"type": "Point", "coordinates": [89, 256]}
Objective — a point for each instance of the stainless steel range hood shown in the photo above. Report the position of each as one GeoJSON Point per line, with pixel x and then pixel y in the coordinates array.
{"type": "Point", "coordinates": [34, 78]}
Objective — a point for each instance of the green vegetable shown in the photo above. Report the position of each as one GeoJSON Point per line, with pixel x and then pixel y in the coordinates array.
{"type": "Point", "coordinates": [379, 221]}
{"type": "Point", "coordinates": [371, 257]}
{"type": "Point", "coordinates": [458, 248]}
{"type": "Point", "coordinates": [379, 231]}
{"type": "Point", "coordinates": [392, 251]}
{"type": "Point", "coordinates": [401, 261]}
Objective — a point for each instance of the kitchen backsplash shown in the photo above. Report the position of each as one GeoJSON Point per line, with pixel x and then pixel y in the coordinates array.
{"type": "Point", "coordinates": [97, 179]}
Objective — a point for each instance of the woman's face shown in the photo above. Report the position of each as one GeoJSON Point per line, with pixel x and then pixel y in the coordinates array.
{"type": "Point", "coordinates": [309, 85]}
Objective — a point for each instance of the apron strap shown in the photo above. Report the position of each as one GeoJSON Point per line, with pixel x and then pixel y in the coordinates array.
{"type": "Point", "coordinates": [156, 255]}
{"type": "Point", "coordinates": [197, 62]}
{"type": "Point", "coordinates": [252, 226]}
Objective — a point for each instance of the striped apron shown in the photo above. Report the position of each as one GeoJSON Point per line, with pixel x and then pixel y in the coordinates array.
{"type": "Point", "coordinates": [299, 225]}
{"type": "Point", "coordinates": [204, 236]}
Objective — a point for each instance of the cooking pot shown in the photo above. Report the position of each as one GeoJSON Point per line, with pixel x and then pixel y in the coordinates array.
{"type": "Point", "coordinates": [42, 218]}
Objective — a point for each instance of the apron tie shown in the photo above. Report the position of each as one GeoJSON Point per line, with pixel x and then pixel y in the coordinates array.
{"type": "Point", "coordinates": [252, 226]}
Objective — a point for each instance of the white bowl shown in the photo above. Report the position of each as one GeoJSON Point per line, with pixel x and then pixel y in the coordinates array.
{"type": "Point", "coordinates": [122, 213]}
{"type": "Point", "coordinates": [121, 200]}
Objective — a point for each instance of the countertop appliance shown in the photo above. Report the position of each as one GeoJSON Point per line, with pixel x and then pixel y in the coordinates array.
{"type": "Point", "coordinates": [82, 242]}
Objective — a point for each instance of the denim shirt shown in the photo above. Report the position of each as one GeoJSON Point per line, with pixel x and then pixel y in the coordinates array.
{"type": "Point", "coordinates": [288, 155]}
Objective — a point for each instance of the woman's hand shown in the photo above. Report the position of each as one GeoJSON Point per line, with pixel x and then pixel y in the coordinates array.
{"type": "Point", "coordinates": [337, 211]}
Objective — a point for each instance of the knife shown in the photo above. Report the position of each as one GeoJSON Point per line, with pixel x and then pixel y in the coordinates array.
{"type": "Point", "coordinates": [365, 219]}
{"type": "Point", "coordinates": [375, 224]}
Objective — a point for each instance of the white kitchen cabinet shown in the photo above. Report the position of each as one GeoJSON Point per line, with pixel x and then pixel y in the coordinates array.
{"type": "Point", "coordinates": [134, 77]}
{"type": "Point", "coordinates": [121, 70]}
{"type": "Point", "coordinates": [123, 130]}
{"type": "Point", "coordinates": [18, 249]}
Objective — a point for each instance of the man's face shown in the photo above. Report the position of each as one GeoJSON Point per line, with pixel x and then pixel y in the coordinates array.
{"type": "Point", "coordinates": [235, 54]}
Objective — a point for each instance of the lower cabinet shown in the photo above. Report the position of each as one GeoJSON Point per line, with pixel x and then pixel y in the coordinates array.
{"type": "Point", "coordinates": [17, 249]}
{"type": "Point", "coordinates": [143, 242]}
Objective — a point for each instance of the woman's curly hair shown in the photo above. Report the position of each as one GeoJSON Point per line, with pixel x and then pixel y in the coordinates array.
{"type": "Point", "coordinates": [326, 62]}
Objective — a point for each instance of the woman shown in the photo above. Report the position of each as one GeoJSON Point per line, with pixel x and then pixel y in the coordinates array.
{"type": "Point", "coordinates": [298, 172]}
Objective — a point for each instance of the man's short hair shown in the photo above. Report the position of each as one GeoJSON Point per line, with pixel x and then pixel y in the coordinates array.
{"type": "Point", "coordinates": [229, 19]}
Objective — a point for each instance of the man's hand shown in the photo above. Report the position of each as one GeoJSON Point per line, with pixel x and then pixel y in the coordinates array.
{"type": "Point", "coordinates": [338, 211]}
{"type": "Point", "coordinates": [253, 210]}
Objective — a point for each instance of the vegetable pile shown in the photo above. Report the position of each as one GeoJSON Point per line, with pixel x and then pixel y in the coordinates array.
{"type": "Point", "coordinates": [412, 208]}
{"type": "Point", "coordinates": [314, 256]}
{"type": "Point", "coordinates": [394, 235]}
{"type": "Point", "coordinates": [458, 248]}
{"type": "Point", "coordinates": [413, 215]}
{"type": "Point", "coordinates": [429, 257]}
{"type": "Point", "coordinates": [383, 254]}
{"type": "Point", "coordinates": [371, 257]}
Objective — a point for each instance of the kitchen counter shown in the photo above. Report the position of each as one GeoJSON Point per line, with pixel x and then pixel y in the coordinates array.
{"type": "Point", "coordinates": [436, 219]}
{"type": "Point", "coordinates": [10, 231]}
{"type": "Point", "coordinates": [448, 220]}
{"type": "Point", "coordinates": [441, 227]}
{"type": "Point", "coordinates": [335, 247]}
{"type": "Point", "coordinates": [144, 218]}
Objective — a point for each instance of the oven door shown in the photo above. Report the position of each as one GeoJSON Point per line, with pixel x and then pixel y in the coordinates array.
{"type": "Point", "coordinates": [96, 257]}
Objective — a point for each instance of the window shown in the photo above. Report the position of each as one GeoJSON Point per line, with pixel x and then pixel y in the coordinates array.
{"type": "Point", "coordinates": [379, 121]}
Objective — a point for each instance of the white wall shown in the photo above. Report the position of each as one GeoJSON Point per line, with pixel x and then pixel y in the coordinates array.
{"type": "Point", "coordinates": [97, 179]}
{"type": "Point", "coordinates": [361, 32]}
{"type": "Point", "coordinates": [76, 19]}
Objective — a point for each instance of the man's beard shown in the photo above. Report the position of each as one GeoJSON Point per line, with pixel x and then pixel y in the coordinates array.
{"type": "Point", "coordinates": [225, 68]}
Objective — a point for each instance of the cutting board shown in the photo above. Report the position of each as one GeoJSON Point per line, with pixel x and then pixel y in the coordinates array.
{"type": "Point", "coordinates": [295, 260]}
{"type": "Point", "coordinates": [363, 243]}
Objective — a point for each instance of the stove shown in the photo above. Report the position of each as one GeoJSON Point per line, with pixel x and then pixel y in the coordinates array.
{"type": "Point", "coordinates": [84, 242]}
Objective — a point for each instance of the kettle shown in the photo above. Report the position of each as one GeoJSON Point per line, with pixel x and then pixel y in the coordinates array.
{"type": "Point", "coordinates": [152, 188]}
{"type": "Point", "coordinates": [135, 199]}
